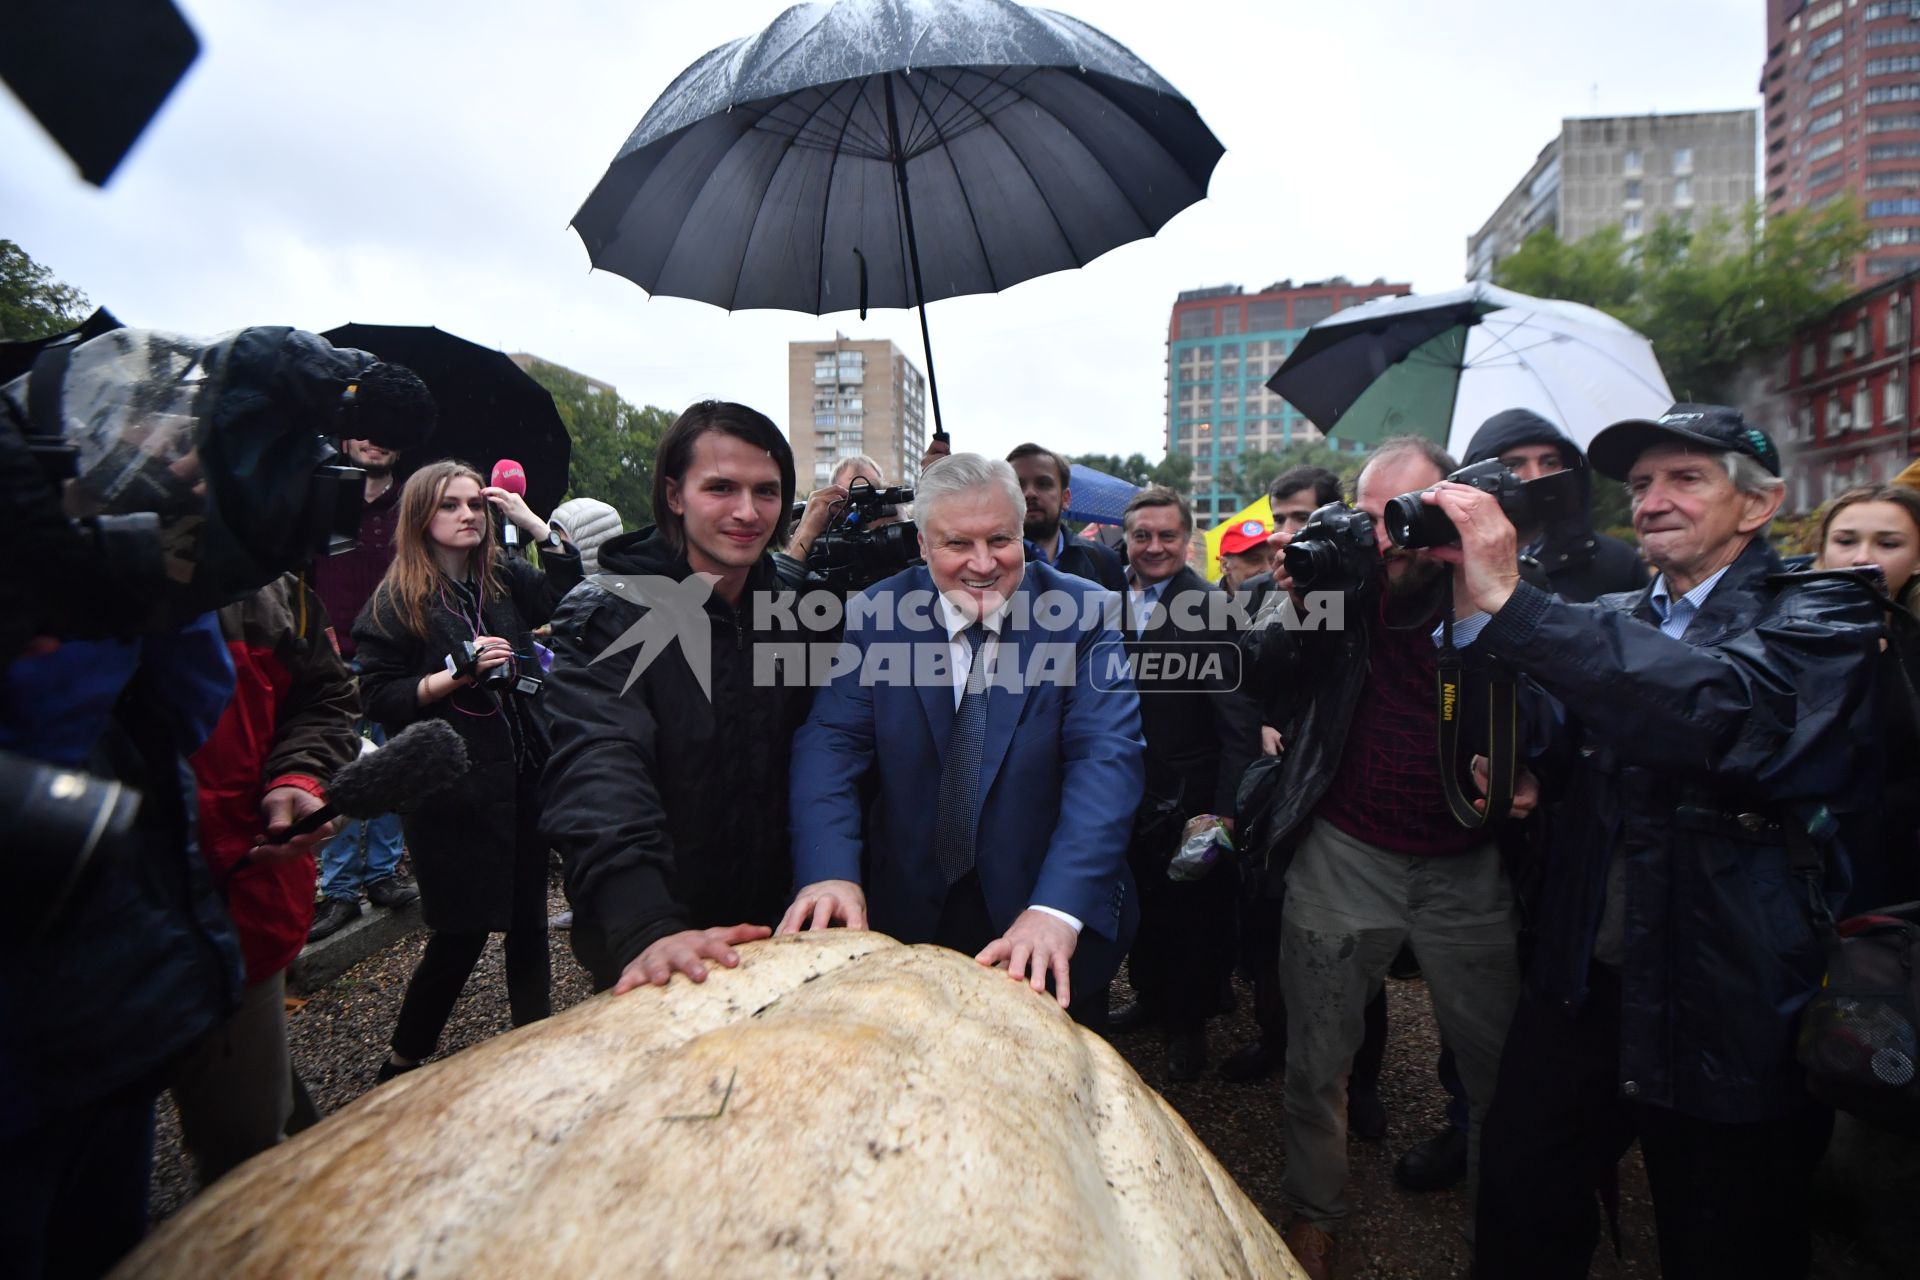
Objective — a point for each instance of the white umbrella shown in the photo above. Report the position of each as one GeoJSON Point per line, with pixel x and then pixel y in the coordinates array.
{"type": "Point", "coordinates": [1439, 365]}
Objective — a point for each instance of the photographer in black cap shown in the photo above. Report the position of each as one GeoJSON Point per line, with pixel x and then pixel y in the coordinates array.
{"type": "Point", "coordinates": [1700, 732]}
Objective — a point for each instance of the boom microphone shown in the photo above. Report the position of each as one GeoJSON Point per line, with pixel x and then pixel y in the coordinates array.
{"type": "Point", "coordinates": [511, 476]}
{"type": "Point", "coordinates": [416, 762]}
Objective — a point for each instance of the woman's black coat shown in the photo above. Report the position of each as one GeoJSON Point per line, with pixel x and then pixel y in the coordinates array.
{"type": "Point", "coordinates": [462, 839]}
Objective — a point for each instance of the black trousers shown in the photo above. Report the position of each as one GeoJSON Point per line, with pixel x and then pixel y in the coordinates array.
{"type": "Point", "coordinates": [1183, 955]}
{"type": "Point", "coordinates": [449, 958]}
{"type": "Point", "coordinates": [966, 927]}
{"type": "Point", "coordinates": [1728, 1199]}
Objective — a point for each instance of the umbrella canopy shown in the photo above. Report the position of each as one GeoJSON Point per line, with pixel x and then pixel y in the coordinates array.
{"type": "Point", "coordinates": [1439, 365]}
{"type": "Point", "coordinates": [489, 407]}
{"type": "Point", "coordinates": [890, 153]}
{"type": "Point", "coordinates": [1098, 496]}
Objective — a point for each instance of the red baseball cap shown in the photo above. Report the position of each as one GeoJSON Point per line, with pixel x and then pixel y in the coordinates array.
{"type": "Point", "coordinates": [1242, 536]}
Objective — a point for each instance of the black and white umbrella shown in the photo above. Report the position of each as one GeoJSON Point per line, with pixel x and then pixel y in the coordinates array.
{"type": "Point", "coordinates": [891, 153]}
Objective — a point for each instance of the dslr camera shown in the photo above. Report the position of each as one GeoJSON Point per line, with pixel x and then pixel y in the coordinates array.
{"type": "Point", "coordinates": [1529, 504]}
{"type": "Point", "coordinates": [1334, 551]}
{"type": "Point", "coordinates": [851, 554]}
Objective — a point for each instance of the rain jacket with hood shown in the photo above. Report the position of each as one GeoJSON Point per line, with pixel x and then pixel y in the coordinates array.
{"type": "Point", "coordinates": [667, 800]}
{"type": "Point", "coordinates": [1690, 759]}
{"type": "Point", "coordinates": [1581, 564]}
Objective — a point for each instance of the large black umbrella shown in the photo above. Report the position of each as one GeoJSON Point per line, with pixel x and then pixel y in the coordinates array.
{"type": "Point", "coordinates": [489, 407]}
{"type": "Point", "coordinates": [891, 153]}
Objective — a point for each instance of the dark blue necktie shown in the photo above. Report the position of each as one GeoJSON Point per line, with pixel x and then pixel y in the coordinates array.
{"type": "Point", "coordinates": [957, 813]}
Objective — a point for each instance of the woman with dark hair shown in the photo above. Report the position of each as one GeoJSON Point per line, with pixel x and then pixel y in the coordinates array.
{"type": "Point", "coordinates": [667, 792]}
{"type": "Point", "coordinates": [1881, 527]}
{"type": "Point", "coordinates": [447, 634]}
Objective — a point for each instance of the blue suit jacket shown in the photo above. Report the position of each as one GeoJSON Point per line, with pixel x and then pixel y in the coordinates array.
{"type": "Point", "coordinates": [1062, 768]}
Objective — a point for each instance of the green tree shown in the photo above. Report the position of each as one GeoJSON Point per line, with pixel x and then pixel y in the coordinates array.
{"type": "Point", "coordinates": [1713, 295]}
{"type": "Point", "coordinates": [613, 443]}
{"type": "Point", "coordinates": [33, 303]}
{"type": "Point", "coordinates": [1174, 471]}
{"type": "Point", "coordinates": [1251, 476]}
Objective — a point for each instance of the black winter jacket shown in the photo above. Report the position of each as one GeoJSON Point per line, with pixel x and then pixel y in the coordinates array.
{"type": "Point", "coordinates": [1312, 678]}
{"type": "Point", "coordinates": [669, 806]}
{"type": "Point", "coordinates": [1686, 754]}
{"type": "Point", "coordinates": [1582, 565]}
{"type": "Point", "coordinates": [463, 839]}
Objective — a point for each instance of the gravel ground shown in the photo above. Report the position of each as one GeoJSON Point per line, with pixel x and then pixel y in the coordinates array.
{"type": "Point", "coordinates": [339, 1039]}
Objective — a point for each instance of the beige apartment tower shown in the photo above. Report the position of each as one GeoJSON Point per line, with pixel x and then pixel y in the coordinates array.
{"type": "Point", "coordinates": [846, 398]}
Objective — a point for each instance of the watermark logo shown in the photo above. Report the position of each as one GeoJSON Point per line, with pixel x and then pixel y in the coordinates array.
{"type": "Point", "coordinates": [1176, 666]}
{"type": "Point", "coordinates": [675, 609]}
{"type": "Point", "coordinates": [796, 636]}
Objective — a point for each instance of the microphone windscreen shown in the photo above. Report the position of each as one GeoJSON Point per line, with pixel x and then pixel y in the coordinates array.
{"type": "Point", "coordinates": [511, 476]}
{"type": "Point", "coordinates": [416, 762]}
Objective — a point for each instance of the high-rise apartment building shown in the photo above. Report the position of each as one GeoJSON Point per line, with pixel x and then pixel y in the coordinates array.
{"type": "Point", "coordinates": [1842, 88]}
{"type": "Point", "coordinates": [1624, 170]}
{"type": "Point", "coordinates": [1222, 345]}
{"type": "Point", "coordinates": [846, 398]}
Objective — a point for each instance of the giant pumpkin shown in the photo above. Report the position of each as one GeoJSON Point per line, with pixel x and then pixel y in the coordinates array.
{"type": "Point", "coordinates": [839, 1105]}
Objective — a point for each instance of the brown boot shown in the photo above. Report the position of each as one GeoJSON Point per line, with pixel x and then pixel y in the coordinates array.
{"type": "Point", "coordinates": [1311, 1247]}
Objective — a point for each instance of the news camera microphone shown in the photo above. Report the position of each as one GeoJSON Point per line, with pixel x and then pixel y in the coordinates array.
{"type": "Point", "coordinates": [416, 762]}
{"type": "Point", "coordinates": [511, 476]}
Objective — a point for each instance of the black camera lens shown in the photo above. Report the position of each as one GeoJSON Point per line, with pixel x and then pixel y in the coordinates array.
{"type": "Point", "coordinates": [1310, 563]}
{"type": "Point", "coordinates": [1413, 523]}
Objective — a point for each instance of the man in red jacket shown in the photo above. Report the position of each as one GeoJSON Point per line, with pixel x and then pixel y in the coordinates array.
{"type": "Point", "coordinates": [290, 725]}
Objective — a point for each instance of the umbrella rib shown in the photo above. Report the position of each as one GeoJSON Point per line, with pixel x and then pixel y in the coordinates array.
{"type": "Point", "coordinates": [826, 200]}
{"type": "Point", "coordinates": [973, 219]}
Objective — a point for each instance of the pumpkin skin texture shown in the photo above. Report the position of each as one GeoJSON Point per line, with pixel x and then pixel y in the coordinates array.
{"type": "Point", "coordinates": [839, 1105]}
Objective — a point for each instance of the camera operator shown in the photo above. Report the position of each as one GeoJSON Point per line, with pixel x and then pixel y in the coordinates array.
{"type": "Point", "coordinates": [824, 503]}
{"type": "Point", "coordinates": [1374, 857]}
{"type": "Point", "coordinates": [1700, 730]}
{"type": "Point", "coordinates": [146, 497]}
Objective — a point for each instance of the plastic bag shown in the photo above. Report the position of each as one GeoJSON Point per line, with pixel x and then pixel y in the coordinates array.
{"type": "Point", "coordinates": [1204, 841]}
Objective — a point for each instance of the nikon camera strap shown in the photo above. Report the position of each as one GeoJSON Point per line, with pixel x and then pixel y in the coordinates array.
{"type": "Point", "coordinates": [1503, 730]}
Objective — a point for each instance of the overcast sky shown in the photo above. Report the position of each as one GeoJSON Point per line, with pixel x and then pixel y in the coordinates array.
{"type": "Point", "coordinates": [418, 163]}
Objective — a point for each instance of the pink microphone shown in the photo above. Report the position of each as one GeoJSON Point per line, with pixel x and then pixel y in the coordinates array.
{"type": "Point", "coordinates": [511, 476]}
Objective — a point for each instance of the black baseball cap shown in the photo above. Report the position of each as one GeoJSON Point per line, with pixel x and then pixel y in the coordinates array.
{"type": "Point", "coordinates": [1708, 426]}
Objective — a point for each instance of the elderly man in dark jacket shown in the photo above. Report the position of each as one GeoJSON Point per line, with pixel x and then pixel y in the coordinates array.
{"type": "Point", "coordinates": [1696, 729]}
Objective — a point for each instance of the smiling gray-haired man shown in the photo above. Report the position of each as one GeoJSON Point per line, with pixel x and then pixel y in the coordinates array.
{"type": "Point", "coordinates": [1004, 802]}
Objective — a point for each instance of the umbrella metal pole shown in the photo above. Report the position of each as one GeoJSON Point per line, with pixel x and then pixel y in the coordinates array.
{"type": "Point", "coordinates": [913, 249]}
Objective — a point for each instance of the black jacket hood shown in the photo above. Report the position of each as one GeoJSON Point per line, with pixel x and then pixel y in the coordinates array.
{"type": "Point", "coordinates": [1511, 427]}
{"type": "Point", "coordinates": [645, 550]}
